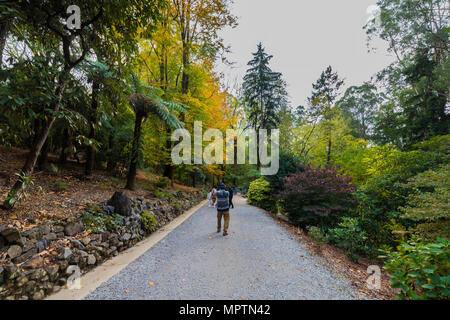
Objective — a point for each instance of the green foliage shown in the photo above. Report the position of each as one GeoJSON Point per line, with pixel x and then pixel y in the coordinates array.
{"type": "Point", "coordinates": [264, 92]}
{"type": "Point", "coordinates": [13, 196]}
{"type": "Point", "coordinates": [148, 221]}
{"type": "Point", "coordinates": [162, 182]}
{"type": "Point", "coordinates": [260, 194]}
{"type": "Point", "coordinates": [359, 104]}
{"type": "Point", "coordinates": [97, 221]}
{"type": "Point", "coordinates": [289, 163]}
{"type": "Point", "coordinates": [389, 169]}
{"type": "Point", "coordinates": [60, 186]}
{"type": "Point", "coordinates": [420, 271]}
{"type": "Point", "coordinates": [350, 236]}
{"type": "Point", "coordinates": [429, 203]}
{"type": "Point", "coordinates": [163, 194]}
{"type": "Point", "coordinates": [317, 234]}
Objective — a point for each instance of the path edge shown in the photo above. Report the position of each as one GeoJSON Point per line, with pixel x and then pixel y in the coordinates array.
{"type": "Point", "coordinates": [102, 273]}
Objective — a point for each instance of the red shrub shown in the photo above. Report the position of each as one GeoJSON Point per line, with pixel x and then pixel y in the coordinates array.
{"type": "Point", "coordinates": [316, 196]}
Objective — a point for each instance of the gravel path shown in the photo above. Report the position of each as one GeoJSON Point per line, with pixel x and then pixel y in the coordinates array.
{"type": "Point", "coordinates": [258, 260]}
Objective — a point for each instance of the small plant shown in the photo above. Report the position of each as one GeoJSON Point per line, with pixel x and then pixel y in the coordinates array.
{"type": "Point", "coordinates": [162, 182]}
{"type": "Point", "coordinates": [54, 168]}
{"type": "Point", "coordinates": [150, 187]}
{"type": "Point", "coordinates": [96, 220]}
{"type": "Point", "coordinates": [163, 194]}
{"type": "Point", "coordinates": [420, 271]}
{"type": "Point", "coordinates": [351, 237]}
{"type": "Point", "coordinates": [148, 221]}
{"type": "Point", "coordinates": [60, 186]}
{"type": "Point", "coordinates": [317, 234]}
{"type": "Point", "coordinates": [16, 196]}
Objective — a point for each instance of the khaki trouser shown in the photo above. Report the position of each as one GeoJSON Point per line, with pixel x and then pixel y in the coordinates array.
{"type": "Point", "coordinates": [226, 218]}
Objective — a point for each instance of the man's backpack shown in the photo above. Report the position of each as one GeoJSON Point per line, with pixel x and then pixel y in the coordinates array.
{"type": "Point", "coordinates": [222, 200]}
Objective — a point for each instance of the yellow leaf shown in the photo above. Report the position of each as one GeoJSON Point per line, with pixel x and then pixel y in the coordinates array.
{"type": "Point", "coordinates": [13, 217]}
{"type": "Point", "coordinates": [150, 283]}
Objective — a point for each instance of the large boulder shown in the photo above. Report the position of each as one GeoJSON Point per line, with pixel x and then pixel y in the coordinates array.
{"type": "Point", "coordinates": [12, 236]}
{"type": "Point", "coordinates": [121, 204]}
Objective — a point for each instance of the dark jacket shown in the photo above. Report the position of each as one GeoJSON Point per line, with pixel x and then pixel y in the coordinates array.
{"type": "Point", "coordinates": [223, 203]}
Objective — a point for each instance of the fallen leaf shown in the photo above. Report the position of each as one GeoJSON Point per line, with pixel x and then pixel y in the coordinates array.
{"type": "Point", "coordinates": [126, 291]}
{"type": "Point", "coordinates": [150, 283]}
{"type": "Point", "coordinates": [210, 237]}
{"type": "Point", "coordinates": [183, 280]}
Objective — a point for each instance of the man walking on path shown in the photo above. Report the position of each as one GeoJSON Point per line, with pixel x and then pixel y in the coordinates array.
{"type": "Point", "coordinates": [223, 209]}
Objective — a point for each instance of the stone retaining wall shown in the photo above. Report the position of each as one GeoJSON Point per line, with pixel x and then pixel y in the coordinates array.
{"type": "Point", "coordinates": [41, 261]}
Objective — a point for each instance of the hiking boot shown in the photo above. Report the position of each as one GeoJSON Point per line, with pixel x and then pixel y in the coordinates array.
{"type": "Point", "coordinates": [218, 231]}
{"type": "Point", "coordinates": [225, 234]}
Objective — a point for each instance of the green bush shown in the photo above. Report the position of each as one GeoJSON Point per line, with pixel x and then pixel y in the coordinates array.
{"type": "Point", "coordinates": [349, 236]}
{"type": "Point", "coordinates": [428, 204]}
{"type": "Point", "coordinates": [260, 194]}
{"type": "Point", "coordinates": [317, 234]}
{"type": "Point", "coordinates": [97, 221]}
{"type": "Point", "coordinates": [163, 194]}
{"type": "Point", "coordinates": [403, 186]}
{"type": "Point", "coordinates": [420, 271]}
{"type": "Point", "coordinates": [162, 182]}
{"type": "Point", "coordinates": [148, 221]}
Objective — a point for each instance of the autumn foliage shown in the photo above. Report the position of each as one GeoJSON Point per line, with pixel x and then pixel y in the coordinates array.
{"type": "Point", "coordinates": [316, 196]}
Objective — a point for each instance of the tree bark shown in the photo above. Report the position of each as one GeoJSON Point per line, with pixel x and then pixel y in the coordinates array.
{"type": "Point", "coordinates": [65, 143]}
{"type": "Point", "coordinates": [169, 169]}
{"type": "Point", "coordinates": [235, 162]}
{"type": "Point", "coordinates": [329, 152]}
{"type": "Point", "coordinates": [3, 36]}
{"type": "Point", "coordinates": [42, 162]}
{"type": "Point", "coordinates": [32, 157]}
{"type": "Point", "coordinates": [111, 165]}
{"type": "Point", "coordinates": [132, 171]}
{"type": "Point", "coordinates": [90, 154]}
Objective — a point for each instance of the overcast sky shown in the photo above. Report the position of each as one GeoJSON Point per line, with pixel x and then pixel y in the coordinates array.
{"type": "Point", "coordinates": [304, 36]}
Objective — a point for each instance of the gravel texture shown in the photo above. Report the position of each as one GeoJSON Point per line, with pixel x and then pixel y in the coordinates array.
{"type": "Point", "coordinates": [258, 260]}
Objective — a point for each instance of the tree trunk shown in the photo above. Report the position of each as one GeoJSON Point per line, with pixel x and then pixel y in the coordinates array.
{"type": "Point", "coordinates": [169, 169]}
{"type": "Point", "coordinates": [258, 161]}
{"type": "Point", "coordinates": [235, 162]}
{"type": "Point", "coordinates": [329, 152]}
{"type": "Point", "coordinates": [42, 162]}
{"type": "Point", "coordinates": [3, 36]}
{"type": "Point", "coordinates": [194, 176]}
{"type": "Point", "coordinates": [65, 143]}
{"type": "Point", "coordinates": [30, 163]}
{"type": "Point", "coordinates": [185, 76]}
{"type": "Point", "coordinates": [90, 154]}
{"type": "Point", "coordinates": [131, 176]}
{"type": "Point", "coordinates": [111, 165]}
